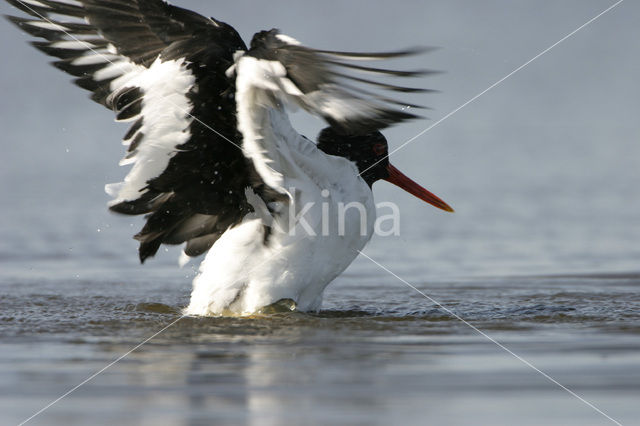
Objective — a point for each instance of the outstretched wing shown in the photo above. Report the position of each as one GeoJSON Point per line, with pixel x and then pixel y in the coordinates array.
{"type": "Point", "coordinates": [162, 68]}
{"type": "Point", "coordinates": [194, 144]}
{"type": "Point", "coordinates": [278, 71]}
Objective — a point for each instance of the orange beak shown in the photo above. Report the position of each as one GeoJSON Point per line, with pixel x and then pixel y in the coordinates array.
{"type": "Point", "coordinates": [399, 179]}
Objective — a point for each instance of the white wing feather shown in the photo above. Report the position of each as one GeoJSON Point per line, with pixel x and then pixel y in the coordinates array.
{"type": "Point", "coordinates": [166, 120]}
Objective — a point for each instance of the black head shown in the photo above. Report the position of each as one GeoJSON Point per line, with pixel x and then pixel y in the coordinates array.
{"type": "Point", "coordinates": [369, 151]}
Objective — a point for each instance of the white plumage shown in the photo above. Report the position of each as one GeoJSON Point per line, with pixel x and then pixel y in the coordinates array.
{"type": "Point", "coordinates": [166, 111]}
{"type": "Point", "coordinates": [216, 164]}
{"type": "Point", "coordinates": [241, 274]}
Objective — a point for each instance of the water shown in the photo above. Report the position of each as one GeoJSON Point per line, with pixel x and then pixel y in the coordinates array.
{"type": "Point", "coordinates": [378, 353]}
{"type": "Point", "coordinates": [542, 254]}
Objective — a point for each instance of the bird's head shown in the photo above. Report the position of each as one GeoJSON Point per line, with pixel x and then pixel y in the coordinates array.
{"type": "Point", "coordinates": [370, 153]}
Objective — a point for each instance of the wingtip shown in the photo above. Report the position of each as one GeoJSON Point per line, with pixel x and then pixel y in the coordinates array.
{"type": "Point", "coordinates": [29, 9]}
{"type": "Point", "coordinates": [15, 20]}
{"type": "Point", "coordinates": [7, 17]}
{"type": "Point", "coordinates": [412, 51]}
{"type": "Point", "coordinates": [429, 72]}
{"type": "Point", "coordinates": [147, 250]}
{"type": "Point", "coordinates": [419, 50]}
{"type": "Point", "coordinates": [384, 119]}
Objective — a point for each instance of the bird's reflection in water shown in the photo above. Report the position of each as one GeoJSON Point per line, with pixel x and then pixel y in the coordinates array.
{"type": "Point", "coordinates": [281, 371]}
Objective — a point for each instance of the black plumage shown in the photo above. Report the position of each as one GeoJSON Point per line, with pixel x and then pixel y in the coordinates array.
{"type": "Point", "coordinates": [202, 190]}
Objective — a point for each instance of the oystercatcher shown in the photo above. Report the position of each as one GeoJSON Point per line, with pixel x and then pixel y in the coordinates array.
{"type": "Point", "coordinates": [216, 164]}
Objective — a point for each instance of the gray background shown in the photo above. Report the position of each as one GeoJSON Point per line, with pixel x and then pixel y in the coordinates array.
{"type": "Point", "coordinates": [542, 170]}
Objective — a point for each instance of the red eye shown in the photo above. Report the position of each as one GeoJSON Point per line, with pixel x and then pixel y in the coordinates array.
{"type": "Point", "coordinates": [379, 149]}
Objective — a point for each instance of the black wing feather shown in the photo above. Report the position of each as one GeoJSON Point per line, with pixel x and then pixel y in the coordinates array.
{"type": "Point", "coordinates": [201, 192]}
{"type": "Point", "coordinates": [319, 71]}
{"type": "Point", "coordinates": [207, 176]}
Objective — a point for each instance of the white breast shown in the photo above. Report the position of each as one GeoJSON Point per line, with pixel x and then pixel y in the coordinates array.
{"type": "Point", "coordinates": [241, 274]}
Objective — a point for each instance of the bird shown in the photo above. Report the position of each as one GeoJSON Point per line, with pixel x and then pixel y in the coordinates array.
{"type": "Point", "coordinates": [216, 165]}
